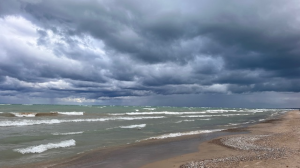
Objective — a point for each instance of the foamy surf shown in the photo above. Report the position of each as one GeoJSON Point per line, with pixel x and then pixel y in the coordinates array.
{"type": "Point", "coordinates": [220, 111]}
{"type": "Point", "coordinates": [159, 113]}
{"type": "Point", "coordinates": [31, 114]}
{"type": "Point", "coordinates": [23, 114]}
{"type": "Point", "coordinates": [71, 113]}
{"type": "Point", "coordinates": [184, 121]}
{"type": "Point", "coordinates": [8, 123]}
{"type": "Point", "coordinates": [149, 109]}
{"type": "Point", "coordinates": [67, 133]}
{"type": "Point", "coordinates": [216, 115]}
{"type": "Point", "coordinates": [172, 135]}
{"type": "Point", "coordinates": [134, 126]}
{"type": "Point", "coordinates": [45, 147]}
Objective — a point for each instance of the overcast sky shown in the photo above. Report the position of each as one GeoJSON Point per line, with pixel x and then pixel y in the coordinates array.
{"type": "Point", "coordinates": [223, 53]}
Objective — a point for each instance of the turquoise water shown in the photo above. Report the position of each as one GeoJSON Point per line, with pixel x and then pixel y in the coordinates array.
{"type": "Point", "coordinates": [34, 133]}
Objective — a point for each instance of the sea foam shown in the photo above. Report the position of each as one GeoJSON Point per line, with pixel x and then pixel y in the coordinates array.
{"type": "Point", "coordinates": [172, 135]}
{"type": "Point", "coordinates": [45, 147]}
{"type": "Point", "coordinates": [23, 114]}
{"type": "Point", "coordinates": [159, 113]}
{"type": "Point", "coordinates": [67, 133]}
{"type": "Point", "coordinates": [220, 111]}
{"type": "Point", "coordinates": [71, 113]}
{"type": "Point", "coordinates": [134, 126]}
{"type": "Point", "coordinates": [149, 108]}
{"type": "Point", "coordinates": [26, 122]}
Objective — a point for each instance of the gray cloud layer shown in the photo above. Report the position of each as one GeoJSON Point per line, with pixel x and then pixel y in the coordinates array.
{"type": "Point", "coordinates": [117, 49]}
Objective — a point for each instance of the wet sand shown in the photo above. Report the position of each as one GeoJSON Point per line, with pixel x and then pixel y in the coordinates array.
{"type": "Point", "coordinates": [274, 143]}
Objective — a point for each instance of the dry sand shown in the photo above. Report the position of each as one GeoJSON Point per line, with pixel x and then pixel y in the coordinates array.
{"type": "Point", "coordinates": [274, 143]}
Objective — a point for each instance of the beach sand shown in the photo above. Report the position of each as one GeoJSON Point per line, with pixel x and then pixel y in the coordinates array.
{"type": "Point", "coordinates": [274, 143]}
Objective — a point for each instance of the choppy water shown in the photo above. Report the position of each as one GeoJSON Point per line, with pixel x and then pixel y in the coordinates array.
{"type": "Point", "coordinates": [32, 133]}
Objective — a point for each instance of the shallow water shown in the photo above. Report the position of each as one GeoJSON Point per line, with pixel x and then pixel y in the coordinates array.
{"type": "Point", "coordinates": [34, 133]}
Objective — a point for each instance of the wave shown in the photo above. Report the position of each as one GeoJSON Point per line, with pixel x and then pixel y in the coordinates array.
{"type": "Point", "coordinates": [45, 147]}
{"type": "Point", "coordinates": [172, 135]}
{"type": "Point", "coordinates": [196, 116]}
{"type": "Point", "coordinates": [30, 114]}
{"type": "Point", "coordinates": [134, 126]}
{"type": "Point", "coordinates": [184, 121]}
{"type": "Point", "coordinates": [173, 113]}
{"type": "Point", "coordinates": [149, 108]}
{"type": "Point", "coordinates": [260, 110]}
{"type": "Point", "coordinates": [220, 111]}
{"type": "Point", "coordinates": [71, 113]}
{"type": "Point", "coordinates": [158, 113]}
{"type": "Point", "coordinates": [218, 115]}
{"type": "Point", "coordinates": [26, 122]}
{"type": "Point", "coordinates": [67, 133]}
{"type": "Point", "coordinates": [23, 114]}
{"type": "Point", "coordinates": [193, 120]}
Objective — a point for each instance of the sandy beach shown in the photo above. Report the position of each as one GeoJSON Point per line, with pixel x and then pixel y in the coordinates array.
{"type": "Point", "coordinates": [274, 143]}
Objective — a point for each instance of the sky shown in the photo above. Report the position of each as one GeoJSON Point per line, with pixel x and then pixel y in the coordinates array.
{"type": "Point", "coordinates": [207, 53]}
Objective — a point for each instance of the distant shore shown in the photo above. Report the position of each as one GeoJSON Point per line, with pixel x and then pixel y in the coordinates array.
{"type": "Point", "coordinates": [273, 143]}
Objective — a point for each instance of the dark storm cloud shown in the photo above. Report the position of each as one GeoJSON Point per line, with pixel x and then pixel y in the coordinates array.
{"type": "Point", "coordinates": [98, 49]}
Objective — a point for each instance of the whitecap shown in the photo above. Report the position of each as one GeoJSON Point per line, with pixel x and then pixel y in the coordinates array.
{"type": "Point", "coordinates": [23, 114]}
{"type": "Point", "coordinates": [220, 111]}
{"type": "Point", "coordinates": [196, 116]}
{"type": "Point", "coordinates": [7, 123]}
{"type": "Point", "coordinates": [162, 113]}
{"type": "Point", "coordinates": [71, 113]}
{"type": "Point", "coordinates": [178, 134]}
{"type": "Point", "coordinates": [45, 147]}
{"type": "Point", "coordinates": [67, 133]}
{"type": "Point", "coordinates": [184, 121]}
{"type": "Point", "coordinates": [149, 108]}
{"type": "Point", "coordinates": [217, 115]}
{"type": "Point", "coordinates": [134, 126]}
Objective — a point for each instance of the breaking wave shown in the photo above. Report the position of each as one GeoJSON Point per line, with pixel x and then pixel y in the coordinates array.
{"type": "Point", "coordinates": [172, 135]}
{"type": "Point", "coordinates": [217, 115]}
{"type": "Point", "coordinates": [149, 108]}
{"type": "Point", "coordinates": [45, 147]}
{"type": "Point", "coordinates": [31, 114]}
{"type": "Point", "coordinates": [23, 114]}
{"type": "Point", "coordinates": [134, 126]}
{"type": "Point", "coordinates": [67, 133]}
{"type": "Point", "coordinates": [57, 121]}
{"type": "Point", "coordinates": [177, 113]}
{"type": "Point", "coordinates": [159, 113]}
{"type": "Point", "coordinates": [184, 121]}
{"type": "Point", "coordinates": [220, 111]}
{"type": "Point", "coordinates": [71, 113]}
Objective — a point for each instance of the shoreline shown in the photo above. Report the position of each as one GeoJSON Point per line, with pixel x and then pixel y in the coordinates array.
{"type": "Point", "coordinates": [150, 153]}
{"type": "Point", "coordinates": [136, 154]}
{"type": "Point", "coordinates": [272, 143]}
{"type": "Point", "coordinates": [132, 155]}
